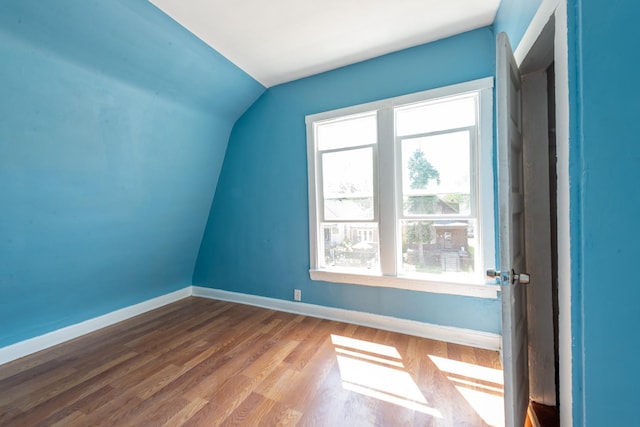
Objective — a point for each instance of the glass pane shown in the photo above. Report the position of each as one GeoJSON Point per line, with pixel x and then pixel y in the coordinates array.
{"type": "Point", "coordinates": [352, 245]}
{"type": "Point", "coordinates": [436, 116]}
{"type": "Point", "coordinates": [350, 132]}
{"type": "Point", "coordinates": [438, 247]}
{"type": "Point", "coordinates": [436, 175]}
{"type": "Point", "coordinates": [347, 183]}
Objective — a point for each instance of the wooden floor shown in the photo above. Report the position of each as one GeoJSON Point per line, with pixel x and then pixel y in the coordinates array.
{"type": "Point", "coordinates": [202, 362]}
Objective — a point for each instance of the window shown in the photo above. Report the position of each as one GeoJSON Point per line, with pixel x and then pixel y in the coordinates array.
{"type": "Point", "coordinates": [401, 191]}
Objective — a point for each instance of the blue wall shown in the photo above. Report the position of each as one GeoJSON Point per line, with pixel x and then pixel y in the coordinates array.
{"type": "Point", "coordinates": [513, 18]}
{"type": "Point", "coordinates": [114, 121]}
{"type": "Point", "coordinates": [603, 40]}
{"type": "Point", "coordinates": [257, 236]}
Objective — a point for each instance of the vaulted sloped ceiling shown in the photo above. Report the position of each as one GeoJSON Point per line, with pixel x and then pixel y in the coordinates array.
{"type": "Point", "coordinates": [282, 40]}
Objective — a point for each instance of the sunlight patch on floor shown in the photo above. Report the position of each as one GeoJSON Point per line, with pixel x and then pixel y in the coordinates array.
{"type": "Point", "coordinates": [368, 357]}
{"type": "Point", "coordinates": [376, 370]}
{"type": "Point", "coordinates": [481, 387]}
{"type": "Point", "coordinates": [376, 394]}
{"type": "Point", "coordinates": [365, 346]}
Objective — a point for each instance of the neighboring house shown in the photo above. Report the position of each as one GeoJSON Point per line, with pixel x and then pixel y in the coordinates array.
{"type": "Point", "coordinates": [448, 251]}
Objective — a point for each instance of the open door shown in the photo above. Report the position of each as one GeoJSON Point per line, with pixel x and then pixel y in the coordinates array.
{"type": "Point", "coordinates": [511, 238]}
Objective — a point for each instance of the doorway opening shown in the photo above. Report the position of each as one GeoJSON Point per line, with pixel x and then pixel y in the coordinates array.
{"type": "Point", "coordinates": [541, 191]}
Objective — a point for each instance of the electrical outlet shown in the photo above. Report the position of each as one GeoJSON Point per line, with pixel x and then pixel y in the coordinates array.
{"type": "Point", "coordinates": [297, 295]}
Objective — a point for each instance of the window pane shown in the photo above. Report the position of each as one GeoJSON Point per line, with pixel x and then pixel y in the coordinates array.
{"type": "Point", "coordinates": [436, 175]}
{"type": "Point", "coordinates": [352, 245]}
{"type": "Point", "coordinates": [436, 116]}
{"type": "Point", "coordinates": [350, 132]}
{"type": "Point", "coordinates": [438, 247]}
{"type": "Point", "coordinates": [348, 184]}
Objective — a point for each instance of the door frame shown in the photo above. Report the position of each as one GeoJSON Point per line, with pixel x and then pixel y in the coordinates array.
{"type": "Point", "coordinates": [558, 10]}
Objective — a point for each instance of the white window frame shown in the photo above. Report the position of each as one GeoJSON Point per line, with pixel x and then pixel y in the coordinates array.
{"type": "Point", "coordinates": [386, 190]}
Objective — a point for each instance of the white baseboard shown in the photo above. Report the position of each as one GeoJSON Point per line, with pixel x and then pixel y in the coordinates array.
{"type": "Point", "coordinates": [32, 345]}
{"type": "Point", "coordinates": [410, 327]}
{"type": "Point", "coordinates": [450, 334]}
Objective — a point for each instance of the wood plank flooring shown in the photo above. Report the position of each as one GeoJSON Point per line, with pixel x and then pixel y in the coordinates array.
{"type": "Point", "coordinates": [201, 362]}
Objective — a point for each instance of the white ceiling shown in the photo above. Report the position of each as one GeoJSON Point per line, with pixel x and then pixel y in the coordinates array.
{"type": "Point", "coordinates": [276, 41]}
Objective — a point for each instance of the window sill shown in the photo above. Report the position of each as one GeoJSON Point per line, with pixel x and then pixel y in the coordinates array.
{"type": "Point", "coordinates": [477, 290]}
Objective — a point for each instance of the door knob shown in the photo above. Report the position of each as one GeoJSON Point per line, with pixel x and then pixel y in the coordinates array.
{"type": "Point", "coordinates": [492, 273]}
{"type": "Point", "coordinates": [512, 277]}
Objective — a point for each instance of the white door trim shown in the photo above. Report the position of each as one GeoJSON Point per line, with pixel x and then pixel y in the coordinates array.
{"type": "Point", "coordinates": [540, 19]}
{"type": "Point", "coordinates": [564, 226]}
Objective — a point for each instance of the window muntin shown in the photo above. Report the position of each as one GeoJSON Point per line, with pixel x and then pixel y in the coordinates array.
{"type": "Point", "coordinates": [449, 213]}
